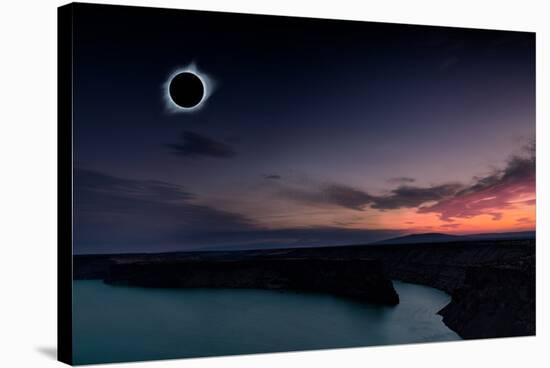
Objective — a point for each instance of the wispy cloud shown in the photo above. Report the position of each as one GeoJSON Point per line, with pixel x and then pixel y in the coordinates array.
{"type": "Point", "coordinates": [149, 190]}
{"type": "Point", "coordinates": [451, 226]}
{"type": "Point", "coordinates": [500, 190]}
{"type": "Point", "coordinates": [113, 210]}
{"type": "Point", "coordinates": [486, 195]}
{"type": "Point", "coordinates": [524, 220]}
{"type": "Point", "coordinates": [356, 199]}
{"type": "Point", "coordinates": [401, 180]}
{"type": "Point", "coordinates": [272, 177]}
{"type": "Point", "coordinates": [194, 145]}
{"type": "Point", "coordinates": [117, 214]}
{"type": "Point", "coordinates": [410, 196]}
{"type": "Point", "coordinates": [333, 194]}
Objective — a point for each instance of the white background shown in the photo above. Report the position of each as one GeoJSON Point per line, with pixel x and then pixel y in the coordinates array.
{"type": "Point", "coordinates": [28, 182]}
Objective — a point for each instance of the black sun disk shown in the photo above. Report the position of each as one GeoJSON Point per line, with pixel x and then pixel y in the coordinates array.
{"type": "Point", "coordinates": [186, 90]}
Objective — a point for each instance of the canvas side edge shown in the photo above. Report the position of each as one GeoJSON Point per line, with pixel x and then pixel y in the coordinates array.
{"type": "Point", "coordinates": [64, 184]}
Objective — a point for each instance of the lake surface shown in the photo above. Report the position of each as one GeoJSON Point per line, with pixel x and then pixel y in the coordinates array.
{"type": "Point", "coordinates": [114, 323]}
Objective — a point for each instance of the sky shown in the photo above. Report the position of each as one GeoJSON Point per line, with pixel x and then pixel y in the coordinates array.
{"type": "Point", "coordinates": [314, 132]}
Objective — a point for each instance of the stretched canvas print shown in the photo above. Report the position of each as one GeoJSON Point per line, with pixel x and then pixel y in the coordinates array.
{"type": "Point", "coordinates": [237, 184]}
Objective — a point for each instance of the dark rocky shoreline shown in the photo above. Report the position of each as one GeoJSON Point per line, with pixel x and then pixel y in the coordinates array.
{"type": "Point", "coordinates": [491, 282]}
{"type": "Point", "coordinates": [359, 279]}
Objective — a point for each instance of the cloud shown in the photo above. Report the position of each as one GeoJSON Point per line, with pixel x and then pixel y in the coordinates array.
{"type": "Point", "coordinates": [401, 180]}
{"type": "Point", "coordinates": [347, 197]}
{"type": "Point", "coordinates": [114, 214]}
{"type": "Point", "coordinates": [334, 194]}
{"type": "Point", "coordinates": [451, 226]}
{"type": "Point", "coordinates": [490, 194]}
{"type": "Point", "coordinates": [356, 199]}
{"type": "Point", "coordinates": [116, 211]}
{"type": "Point", "coordinates": [194, 145]}
{"type": "Point", "coordinates": [486, 195]}
{"type": "Point", "coordinates": [409, 196]}
{"type": "Point", "coordinates": [152, 190]}
{"type": "Point", "coordinates": [524, 220]}
{"type": "Point", "coordinates": [272, 177]}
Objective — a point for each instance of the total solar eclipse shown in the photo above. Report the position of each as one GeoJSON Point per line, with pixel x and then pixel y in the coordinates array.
{"type": "Point", "coordinates": [186, 90]}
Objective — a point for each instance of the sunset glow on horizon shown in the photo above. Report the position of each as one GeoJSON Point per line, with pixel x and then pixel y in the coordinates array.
{"type": "Point", "coordinates": [320, 135]}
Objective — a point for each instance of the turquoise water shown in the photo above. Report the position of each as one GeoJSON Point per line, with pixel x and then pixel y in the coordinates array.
{"type": "Point", "coordinates": [113, 323]}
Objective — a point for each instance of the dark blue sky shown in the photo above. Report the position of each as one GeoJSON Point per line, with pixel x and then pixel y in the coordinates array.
{"type": "Point", "coordinates": [317, 132]}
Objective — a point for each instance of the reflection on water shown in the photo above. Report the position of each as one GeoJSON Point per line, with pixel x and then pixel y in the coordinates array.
{"type": "Point", "coordinates": [113, 323]}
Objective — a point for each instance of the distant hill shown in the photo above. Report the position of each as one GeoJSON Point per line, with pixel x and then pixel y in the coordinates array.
{"type": "Point", "coordinates": [422, 238]}
{"type": "Point", "coordinates": [446, 238]}
{"type": "Point", "coordinates": [510, 235]}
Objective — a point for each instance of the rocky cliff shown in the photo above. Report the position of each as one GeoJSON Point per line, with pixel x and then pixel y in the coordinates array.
{"type": "Point", "coordinates": [493, 302]}
{"type": "Point", "coordinates": [359, 279]}
{"type": "Point", "coordinates": [491, 282]}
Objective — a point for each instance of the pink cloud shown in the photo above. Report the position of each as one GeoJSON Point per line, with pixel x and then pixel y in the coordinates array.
{"type": "Point", "coordinates": [490, 195]}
